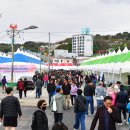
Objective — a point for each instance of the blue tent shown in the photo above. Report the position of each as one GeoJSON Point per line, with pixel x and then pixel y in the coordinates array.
{"type": "Point", "coordinates": [20, 58]}
{"type": "Point", "coordinates": [4, 59]}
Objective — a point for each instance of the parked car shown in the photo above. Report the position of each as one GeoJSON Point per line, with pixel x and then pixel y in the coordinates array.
{"type": "Point", "coordinates": [31, 85]}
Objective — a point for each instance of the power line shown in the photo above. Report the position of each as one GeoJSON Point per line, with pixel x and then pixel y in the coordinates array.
{"type": "Point", "coordinates": [4, 36]}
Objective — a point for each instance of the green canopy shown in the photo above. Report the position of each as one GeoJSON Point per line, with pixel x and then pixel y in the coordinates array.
{"type": "Point", "coordinates": [110, 59]}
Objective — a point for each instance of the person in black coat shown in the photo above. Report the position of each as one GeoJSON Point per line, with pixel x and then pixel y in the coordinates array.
{"type": "Point", "coordinates": [25, 86]}
{"type": "Point", "coordinates": [10, 110]}
{"type": "Point", "coordinates": [121, 102]}
{"type": "Point", "coordinates": [51, 89]}
{"type": "Point", "coordinates": [107, 116]}
{"type": "Point", "coordinates": [89, 92]}
{"type": "Point", "coordinates": [41, 118]}
{"type": "Point", "coordinates": [66, 87]}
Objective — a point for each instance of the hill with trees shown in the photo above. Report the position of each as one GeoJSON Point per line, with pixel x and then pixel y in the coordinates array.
{"type": "Point", "coordinates": [101, 43]}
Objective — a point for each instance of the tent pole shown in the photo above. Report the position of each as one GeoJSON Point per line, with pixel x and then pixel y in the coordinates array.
{"type": "Point", "coordinates": [113, 76]}
{"type": "Point", "coordinates": [120, 75]}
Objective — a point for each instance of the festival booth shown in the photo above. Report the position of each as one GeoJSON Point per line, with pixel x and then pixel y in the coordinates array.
{"type": "Point", "coordinates": [25, 64]}
{"type": "Point", "coordinates": [63, 66]}
{"type": "Point", "coordinates": [115, 66]}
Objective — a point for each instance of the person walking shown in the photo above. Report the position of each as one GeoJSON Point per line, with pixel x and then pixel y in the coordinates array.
{"type": "Point", "coordinates": [45, 79]}
{"type": "Point", "coordinates": [40, 120]}
{"type": "Point", "coordinates": [25, 87]}
{"type": "Point", "coordinates": [4, 82]}
{"type": "Point", "coordinates": [121, 102]}
{"type": "Point", "coordinates": [20, 87]}
{"type": "Point", "coordinates": [73, 92]}
{"type": "Point", "coordinates": [107, 116]}
{"type": "Point", "coordinates": [10, 110]}
{"type": "Point", "coordinates": [89, 92]}
{"type": "Point", "coordinates": [38, 87]}
{"type": "Point", "coordinates": [58, 115]}
{"type": "Point", "coordinates": [80, 110]}
{"type": "Point", "coordinates": [51, 89]}
{"type": "Point", "coordinates": [117, 87]}
{"type": "Point", "coordinates": [57, 86]}
{"type": "Point", "coordinates": [111, 92]}
{"type": "Point", "coordinates": [100, 93]}
{"type": "Point", "coordinates": [66, 87]}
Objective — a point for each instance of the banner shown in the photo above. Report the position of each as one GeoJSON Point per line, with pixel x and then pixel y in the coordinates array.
{"type": "Point", "coordinates": [17, 68]}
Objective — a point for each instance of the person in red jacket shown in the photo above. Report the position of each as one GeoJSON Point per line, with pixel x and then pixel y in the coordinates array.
{"type": "Point", "coordinates": [20, 87]}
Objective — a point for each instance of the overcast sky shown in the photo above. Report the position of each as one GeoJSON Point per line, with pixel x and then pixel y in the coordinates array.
{"type": "Point", "coordinates": [64, 17]}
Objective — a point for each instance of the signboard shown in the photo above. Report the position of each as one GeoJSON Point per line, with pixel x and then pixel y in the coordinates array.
{"type": "Point", "coordinates": [17, 68]}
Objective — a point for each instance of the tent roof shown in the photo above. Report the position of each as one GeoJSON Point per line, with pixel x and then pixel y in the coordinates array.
{"type": "Point", "coordinates": [20, 58]}
{"type": "Point", "coordinates": [110, 59]}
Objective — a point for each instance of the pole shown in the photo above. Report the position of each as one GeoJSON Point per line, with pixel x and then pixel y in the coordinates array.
{"type": "Point", "coordinates": [49, 52]}
{"type": "Point", "coordinates": [12, 66]}
{"type": "Point", "coordinates": [40, 61]}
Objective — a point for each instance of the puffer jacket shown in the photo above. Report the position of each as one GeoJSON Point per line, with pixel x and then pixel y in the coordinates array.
{"type": "Point", "coordinates": [10, 107]}
{"type": "Point", "coordinates": [59, 102]}
{"type": "Point", "coordinates": [80, 104]}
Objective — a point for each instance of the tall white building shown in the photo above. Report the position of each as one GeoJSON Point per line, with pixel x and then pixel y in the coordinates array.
{"type": "Point", "coordinates": [82, 45]}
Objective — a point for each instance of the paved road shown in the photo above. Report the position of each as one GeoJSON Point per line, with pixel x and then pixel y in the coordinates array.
{"type": "Point", "coordinates": [28, 108]}
{"type": "Point", "coordinates": [25, 122]}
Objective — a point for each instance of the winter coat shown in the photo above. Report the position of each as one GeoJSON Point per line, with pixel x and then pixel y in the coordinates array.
{"type": "Point", "coordinates": [121, 99]}
{"type": "Point", "coordinates": [59, 102]}
{"type": "Point", "coordinates": [89, 90]}
{"type": "Point", "coordinates": [51, 88]}
{"type": "Point", "coordinates": [100, 92]}
{"type": "Point", "coordinates": [20, 85]}
{"type": "Point", "coordinates": [66, 89]}
{"type": "Point", "coordinates": [4, 81]}
{"type": "Point", "coordinates": [42, 120]}
{"type": "Point", "coordinates": [39, 84]}
{"type": "Point", "coordinates": [10, 107]}
{"type": "Point", "coordinates": [25, 85]}
{"type": "Point", "coordinates": [80, 104]}
{"type": "Point", "coordinates": [73, 90]}
{"type": "Point", "coordinates": [100, 115]}
{"type": "Point", "coordinates": [45, 78]}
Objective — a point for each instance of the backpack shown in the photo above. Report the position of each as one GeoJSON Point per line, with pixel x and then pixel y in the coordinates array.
{"type": "Point", "coordinates": [128, 107]}
{"type": "Point", "coordinates": [34, 120]}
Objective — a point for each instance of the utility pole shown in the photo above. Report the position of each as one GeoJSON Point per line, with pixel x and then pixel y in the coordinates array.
{"type": "Point", "coordinates": [12, 33]}
{"type": "Point", "coordinates": [40, 61]}
{"type": "Point", "coordinates": [41, 51]}
{"type": "Point", "coordinates": [49, 52]}
{"type": "Point", "coordinates": [12, 65]}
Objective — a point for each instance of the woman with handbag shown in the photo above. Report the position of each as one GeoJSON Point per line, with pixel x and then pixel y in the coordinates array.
{"type": "Point", "coordinates": [57, 104]}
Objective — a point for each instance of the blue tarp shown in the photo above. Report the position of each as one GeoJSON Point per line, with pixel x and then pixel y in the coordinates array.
{"type": "Point", "coordinates": [4, 59]}
{"type": "Point", "coordinates": [20, 58]}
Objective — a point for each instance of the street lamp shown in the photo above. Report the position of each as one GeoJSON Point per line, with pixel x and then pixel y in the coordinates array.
{"type": "Point", "coordinates": [13, 32]}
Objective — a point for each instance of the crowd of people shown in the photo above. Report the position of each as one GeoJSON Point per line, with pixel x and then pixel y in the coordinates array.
{"type": "Point", "coordinates": [66, 89]}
